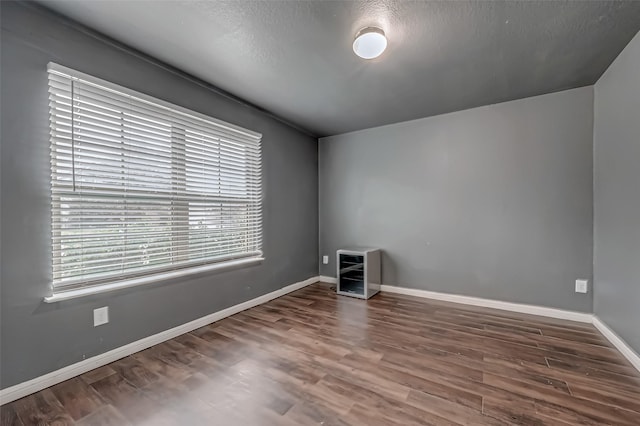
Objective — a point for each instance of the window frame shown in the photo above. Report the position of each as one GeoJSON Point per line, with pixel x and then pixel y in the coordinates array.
{"type": "Point", "coordinates": [168, 270]}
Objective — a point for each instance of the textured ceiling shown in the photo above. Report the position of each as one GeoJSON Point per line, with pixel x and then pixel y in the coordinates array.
{"type": "Point", "coordinates": [294, 58]}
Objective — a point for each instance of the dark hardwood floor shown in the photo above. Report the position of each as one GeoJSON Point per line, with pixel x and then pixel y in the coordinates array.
{"type": "Point", "coordinates": [312, 357]}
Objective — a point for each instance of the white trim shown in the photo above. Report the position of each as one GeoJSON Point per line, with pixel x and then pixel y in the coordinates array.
{"type": "Point", "coordinates": [37, 384]}
{"type": "Point", "coordinates": [148, 279]}
{"type": "Point", "coordinates": [490, 303]}
{"type": "Point", "coordinates": [617, 341]}
{"type": "Point", "coordinates": [607, 332]}
{"type": "Point", "coordinates": [34, 385]}
{"type": "Point", "coordinates": [622, 346]}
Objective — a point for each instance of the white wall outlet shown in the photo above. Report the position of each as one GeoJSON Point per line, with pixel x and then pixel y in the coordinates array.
{"type": "Point", "coordinates": [100, 316]}
{"type": "Point", "coordinates": [582, 286]}
{"type": "Point", "coordinates": [325, 260]}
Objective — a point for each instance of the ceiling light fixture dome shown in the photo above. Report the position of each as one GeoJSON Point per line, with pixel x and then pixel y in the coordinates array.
{"type": "Point", "coordinates": [370, 42]}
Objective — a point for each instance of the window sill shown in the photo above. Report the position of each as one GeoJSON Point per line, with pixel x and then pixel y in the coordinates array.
{"type": "Point", "coordinates": [133, 282]}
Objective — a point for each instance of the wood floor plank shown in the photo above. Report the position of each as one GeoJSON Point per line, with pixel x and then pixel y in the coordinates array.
{"type": "Point", "coordinates": [97, 374]}
{"type": "Point", "coordinates": [312, 357]}
{"type": "Point", "coordinates": [616, 397]}
{"type": "Point", "coordinates": [42, 408]}
{"type": "Point", "coordinates": [134, 371]}
{"type": "Point", "coordinates": [606, 414]}
{"type": "Point", "coordinates": [596, 373]}
{"type": "Point", "coordinates": [392, 410]}
{"type": "Point", "coordinates": [450, 410]}
{"type": "Point", "coordinates": [159, 367]}
{"type": "Point", "coordinates": [126, 398]}
{"type": "Point", "coordinates": [105, 416]}
{"type": "Point", "coordinates": [9, 417]}
{"type": "Point", "coordinates": [523, 413]}
{"type": "Point", "coordinates": [78, 398]}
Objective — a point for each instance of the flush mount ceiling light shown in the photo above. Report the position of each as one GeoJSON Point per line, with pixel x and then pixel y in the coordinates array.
{"type": "Point", "coordinates": [370, 42]}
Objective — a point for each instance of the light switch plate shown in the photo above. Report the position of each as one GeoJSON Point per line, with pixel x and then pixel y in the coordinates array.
{"type": "Point", "coordinates": [582, 286]}
{"type": "Point", "coordinates": [325, 260]}
{"type": "Point", "coordinates": [100, 316]}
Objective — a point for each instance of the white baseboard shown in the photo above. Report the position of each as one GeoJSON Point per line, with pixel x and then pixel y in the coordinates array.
{"type": "Point", "coordinates": [608, 333]}
{"type": "Point", "coordinates": [478, 301]}
{"type": "Point", "coordinates": [490, 303]}
{"type": "Point", "coordinates": [34, 385]}
{"type": "Point", "coordinates": [617, 341]}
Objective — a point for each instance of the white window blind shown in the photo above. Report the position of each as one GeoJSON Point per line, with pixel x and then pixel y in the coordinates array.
{"type": "Point", "coordinates": [140, 186]}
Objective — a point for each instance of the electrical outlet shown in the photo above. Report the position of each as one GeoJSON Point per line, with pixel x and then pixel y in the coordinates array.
{"type": "Point", "coordinates": [100, 316]}
{"type": "Point", "coordinates": [582, 286]}
{"type": "Point", "coordinates": [325, 260]}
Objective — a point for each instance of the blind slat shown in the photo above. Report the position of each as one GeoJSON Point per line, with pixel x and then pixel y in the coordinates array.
{"type": "Point", "coordinates": [139, 186]}
{"type": "Point", "coordinates": [96, 97]}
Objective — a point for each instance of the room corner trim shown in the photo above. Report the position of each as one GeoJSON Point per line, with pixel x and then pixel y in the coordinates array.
{"type": "Point", "coordinates": [327, 279]}
{"type": "Point", "coordinates": [622, 346]}
{"type": "Point", "coordinates": [23, 389]}
{"type": "Point", "coordinates": [490, 303]}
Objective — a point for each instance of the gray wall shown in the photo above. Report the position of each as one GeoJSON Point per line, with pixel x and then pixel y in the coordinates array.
{"type": "Point", "coordinates": [617, 195]}
{"type": "Point", "coordinates": [494, 202]}
{"type": "Point", "coordinates": [38, 338]}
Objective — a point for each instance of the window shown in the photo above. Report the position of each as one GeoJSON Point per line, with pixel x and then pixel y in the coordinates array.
{"type": "Point", "coordinates": [140, 187]}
